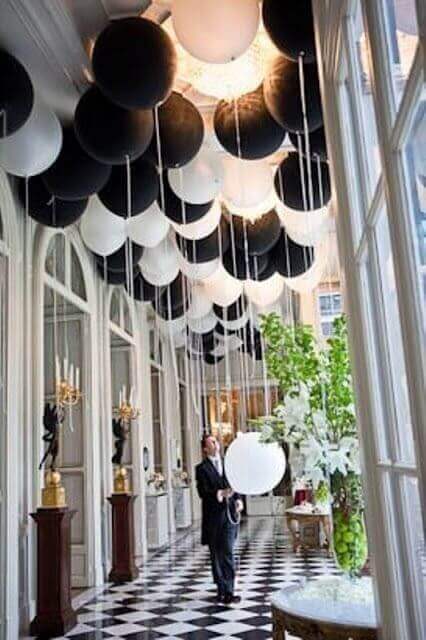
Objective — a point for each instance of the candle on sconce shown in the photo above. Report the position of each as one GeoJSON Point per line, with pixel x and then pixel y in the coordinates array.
{"type": "Point", "coordinates": [124, 393]}
{"type": "Point", "coordinates": [66, 371]}
{"type": "Point", "coordinates": [77, 378]}
{"type": "Point", "coordinates": [131, 396]}
{"type": "Point", "coordinates": [120, 398]}
{"type": "Point", "coordinates": [71, 378]}
{"type": "Point", "coordinates": [58, 369]}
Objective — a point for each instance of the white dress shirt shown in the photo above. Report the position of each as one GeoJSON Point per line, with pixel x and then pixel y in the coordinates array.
{"type": "Point", "coordinates": [217, 463]}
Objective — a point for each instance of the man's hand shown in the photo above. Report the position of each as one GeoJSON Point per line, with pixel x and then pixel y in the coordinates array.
{"type": "Point", "coordinates": [224, 493]}
{"type": "Point", "coordinates": [239, 505]}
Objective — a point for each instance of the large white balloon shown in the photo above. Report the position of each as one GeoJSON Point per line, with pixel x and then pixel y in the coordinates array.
{"type": "Point", "coordinates": [159, 265]}
{"type": "Point", "coordinates": [198, 271]}
{"type": "Point", "coordinates": [202, 227]}
{"type": "Point", "coordinates": [200, 180]}
{"type": "Point", "coordinates": [35, 146]}
{"type": "Point", "coordinates": [102, 231]}
{"type": "Point", "coordinates": [200, 304]}
{"type": "Point", "coordinates": [304, 227]}
{"type": "Point", "coordinates": [203, 325]}
{"type": "Point", "coordinates": [222, 288]}
{"type": "Point", "coordinates": [148, 228]}
{"type": "Point", "coordinates": [216, 31]}
{"type": "Point", "coordinates": [253, 467]}
{"type": "Point", "coordinates": [248, 183]}
{"type": "Point", "coordinates": [173, 327]}
{"type": "Point", "coordinates": [264, 293]}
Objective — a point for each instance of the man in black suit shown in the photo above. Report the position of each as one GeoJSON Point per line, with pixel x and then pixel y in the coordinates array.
{"type": "Point", "coordinates": [220, 509]}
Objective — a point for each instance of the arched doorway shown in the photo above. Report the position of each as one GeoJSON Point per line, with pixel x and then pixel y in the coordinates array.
{"type": "Point", "coordinates": [65, 302]}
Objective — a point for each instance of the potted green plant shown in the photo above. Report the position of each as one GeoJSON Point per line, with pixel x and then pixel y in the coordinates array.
{"type": "Point", "coordinates": [316, 417]}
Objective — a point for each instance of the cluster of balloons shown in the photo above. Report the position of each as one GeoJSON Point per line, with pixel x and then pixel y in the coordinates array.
{"type": "Point", "coordinates": [184, 227]}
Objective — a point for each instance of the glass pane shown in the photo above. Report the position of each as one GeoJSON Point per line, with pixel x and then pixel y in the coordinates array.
{"type": "Point", "coordinates": [367, 102]}
{"type": "Point", "coordinates": [380, 426]}
{"type": "Point", "coordinates": [416, 165]}
{"type": "Point", "coordinates": [402, 40]}
{"type": "Point", "coordinates": [413, 525]}
{"type": "Point", "coordinates": [404, 436]}
{"type": "Point", "coordinates": [77, 279]}
{"type": "Point", "coordinates": [55, 258]}
{"type": "Point", "coordinates": [114, 311]}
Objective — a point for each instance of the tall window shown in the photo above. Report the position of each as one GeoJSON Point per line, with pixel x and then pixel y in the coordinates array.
{"type": "Point", "coordinates": [330, 308]}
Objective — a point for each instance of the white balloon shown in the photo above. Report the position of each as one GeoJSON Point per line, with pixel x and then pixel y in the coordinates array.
{"type": "Point", "coordinates": [200, 304]}
{"type": "Point", "coordinates": [248, 183]}
{"type": "Point", "coordinates": [222, 288]}
{"type": "Point", "coordinates": [102, 231]}
{"type": "Point", "coordinates": [203, 227]}
{"type": "Point", "coordinates": [234, 325]}
{"type": "Point", "coordinates": [162, 258]}
{"type": "Point", "coordinates": [231, 343]}
{"type": "Point", "coordinates": [200, 180]}
{"type": "Point", "coordinates": [172, 327]}
{"type": "Point", "coordinates": [216, 31]}
{"type": "Point", "coordinates": [35, 146]}
{"type": "Point", "coordinates": [255, 211]}
{"type": "Point", "coordinates": [148, 228]}
{"type": "Point", "coordinates": [160, 278]}
{"type": "Point", "coordinates": [253, 467]}
{"type": "Point", "coordinates": [203, 325]}
{"type": "Point", "coordinates": [198, 271]}
{"type": "Point", "coordinates": [180, 340]}
{"type": "Point", "coordinates": [304, 227]}
{"type": "Point", "coordinates": [264, 293]}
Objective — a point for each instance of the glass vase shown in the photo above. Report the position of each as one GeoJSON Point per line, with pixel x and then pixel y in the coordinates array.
{"type": "Point", "coordinates": [349, 540]}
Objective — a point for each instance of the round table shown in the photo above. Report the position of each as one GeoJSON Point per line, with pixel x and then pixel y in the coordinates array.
{"type": "Point", "coordinates": [330, 608]}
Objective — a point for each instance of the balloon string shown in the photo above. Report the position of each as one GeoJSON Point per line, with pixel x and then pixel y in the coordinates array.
{"type": "Point", "coordinates": [287, 255]}
{"type": "Point", "coordinates": [129, 247]}
{"type": "Point", "coordinates": [264, 367]}
{"type": "Point", "coordinates": [306, 128]}
{"type": "Point", "coordinates": [159, 156]}
{"type": "Point", "coordinates": [303, 185]}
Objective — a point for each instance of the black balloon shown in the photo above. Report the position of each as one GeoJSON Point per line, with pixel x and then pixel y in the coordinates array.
{"type": "Point", "coordinates": [292, 259]}
{"type": "Point", "coordinates": [134, 62]}
{"type": "Point", "coordinates": [113, 277]}
{"type": "Point", "coordinates": [181, 131]}
{"type": "Point", "coordinates": [258, 133]}
{"type": "Point", "coordinates": [143, 291]}
{"type": "Point", "coordinates": [232, 311]}
{"type": "Point", "coordinates": [251, 338]}
{"type": "Point", "coordinates": [201, 342]}
{"type": "Point", "coordinates": [289, 182]}
{"type": "Point", "coordinates": [75, 174]}
{"type": "Point", "coordinates": [211, 359]}
{"type": "Point", "coordinates": [166, 312]}
{"type": "Point", "coordinates": [118, 260]}
{"type": "Point", "coordinates": [45, 208]}
{"type": "Point", "coordinates": [207, 248]}
{"type": "Point", "coordinates": [283, 96]}
{"type": "Point", "coordinates": [175, 292]}
{"type": "Point", "coordinates": [290, 26]}
{"type": "Point", "coordinates": [16, 95]}
{"type": "Point", "coordinates": [110, 133]}
{"type": "Point", "coordinates": [269, 270]}
{"type": "Point", "coordinates": [220, 329]}
{"type": "Point", "coordinates": [236, 265]}
{"type": "Point", "coordinates": [144, 184]}
{"type": "Point", "coordinates": [176, 209]}
{"type": "Point", "coordinates": [259, 236]}
{"type": "Point", "coordinates": [317, 143]}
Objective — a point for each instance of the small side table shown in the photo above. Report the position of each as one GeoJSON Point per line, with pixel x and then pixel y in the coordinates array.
{"type": "Point", "coordinates": [327, 609]}
{"type": "Point", "coordinates": [297, 519]}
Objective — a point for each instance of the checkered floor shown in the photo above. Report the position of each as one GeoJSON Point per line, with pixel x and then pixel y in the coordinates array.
{"type": "Point", "coordinates": [174, 596]}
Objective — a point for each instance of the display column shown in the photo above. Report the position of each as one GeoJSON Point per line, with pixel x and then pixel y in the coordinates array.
{"type": "Point", "coordinates": [55, 615]}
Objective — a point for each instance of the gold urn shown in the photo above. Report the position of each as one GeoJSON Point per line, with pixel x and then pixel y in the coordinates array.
{"type": "Point", "coordinates": [53, 493]}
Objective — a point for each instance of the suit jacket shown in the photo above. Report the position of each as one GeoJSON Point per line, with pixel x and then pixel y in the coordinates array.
{"type": "Point", "coordinates": [214, 516]}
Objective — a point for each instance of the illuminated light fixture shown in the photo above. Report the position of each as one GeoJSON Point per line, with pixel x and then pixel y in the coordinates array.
{"type": "Point", "coordinates": [230, 80]}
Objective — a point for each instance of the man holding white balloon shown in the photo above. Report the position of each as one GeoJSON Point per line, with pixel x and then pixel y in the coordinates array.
{"type": "Point", "coordinates": [221, 508]}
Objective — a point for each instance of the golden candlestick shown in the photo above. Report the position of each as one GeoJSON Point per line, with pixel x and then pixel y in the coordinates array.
{"type": "Point", "coordinates": [67, 395]}
{"type": "Point", "coordinates": [126, 412]}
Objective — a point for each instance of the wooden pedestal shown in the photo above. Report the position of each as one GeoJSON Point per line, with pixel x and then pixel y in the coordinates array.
{"type": "Point", "coordinates": [123, 539]}
{"type": "Point", "coordinates": [55, 615]}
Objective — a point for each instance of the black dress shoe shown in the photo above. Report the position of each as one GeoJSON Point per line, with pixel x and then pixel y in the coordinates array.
{"type": "Point", "coordinates": [220, 597]}
{"type": "Point", "coordinates": [231, 599]}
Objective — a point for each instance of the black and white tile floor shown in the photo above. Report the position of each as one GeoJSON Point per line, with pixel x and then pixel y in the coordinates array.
{"type": "Point", "coordinates": [174, 595]}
